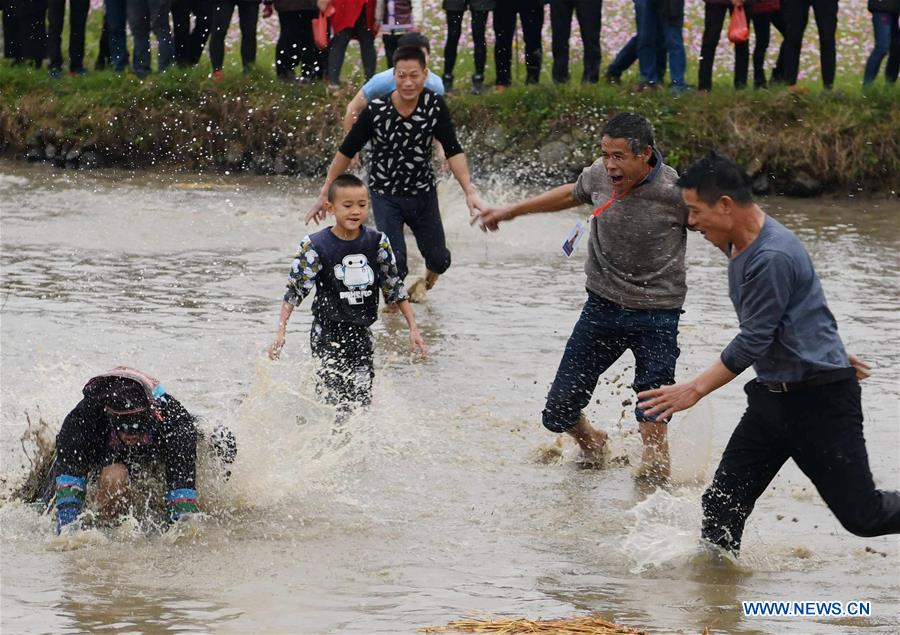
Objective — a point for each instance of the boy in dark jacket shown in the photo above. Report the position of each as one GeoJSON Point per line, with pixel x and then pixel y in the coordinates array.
{"type": "Point", "coordinates": [347, 263]}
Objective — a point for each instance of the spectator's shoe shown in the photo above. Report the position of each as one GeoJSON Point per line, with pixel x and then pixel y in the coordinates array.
{"type": "Point", "coordinates": [100, 64]}
{"type": "Point", "coordinates": [248, 69]}
{"type": "Point", "coordinates": [532, 78]}
{"type": "Point", "coordinates": [54, 72]}
{"type": "Point", "coordinates": [675, 91]}
{"type": "Point", "coordinates": [333, 88]}
{"type": "Point", "coordinates": [642, 87]}
{"type": "Point", "coordinates": [217, 76]}
{"type": "Point", "coordinates": [500, 88]}
{"type": "Point", "coordinates": [611, 79]}
{"type": "Point", "coordinates": [142, 75]}
{"type": "Point", "coordinates": [448, 83]}
{"type": "Point", "coordinates": [288, 78]}
{"type": "Point", "coordinates": [78, 72]}
{"type": "Point", "coordinates": [477, 84]}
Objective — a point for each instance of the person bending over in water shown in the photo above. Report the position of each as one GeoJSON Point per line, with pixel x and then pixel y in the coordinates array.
{"type": "Point", "coordinates": [635, 281]}
{"type": "Point", "coordinates": [804, 403]}
{"type": "Point", "coordinates": [401, 128]}
{"type": "Point", "coordinates": [347, 263]}
{"type": "Point", "coordinates": [126, 422]}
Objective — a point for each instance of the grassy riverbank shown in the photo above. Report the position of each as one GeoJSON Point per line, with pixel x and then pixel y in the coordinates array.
{"type": "Point", "coordinates": [845, 139]}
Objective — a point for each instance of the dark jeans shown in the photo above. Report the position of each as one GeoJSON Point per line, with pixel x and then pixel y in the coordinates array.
{"type": "Point", "coordinates": [189, 44]}
{"type": "Point", "coordinates": [454, 31]}
{"type": "Point", "coordinates": [145, 16]}
{"type": "Point", "coordinates": [602, 334]}
{"type": "Point", "coordinates": [531, 13]}
{"type": "Point", "coordinates": [295, 45]}
{"type": "Point", "coordinates": [796, 15]}
{"type": "Point", "coordinates": [628, 55]}
{"type": "Point", "coordinates": [390, 47]}
{"type": "Point", "coordinates": [220, 14]}
{"type": "Point", "coordinates": [821, 429]}
{"type": "Point", "coordinates": [650, 23]}
{"type": "Point", "coordinates": [339, 48]}
{"type": "Point", "coordinates": [422, 214]}
{"type": "Point", "coordinates": [56, 15]}
{"type": "Point", "coordinates": [886, 29]}
{"type": "Point", "coordinates": [713, 19]}
{"type": "Point", "coordinates": [345, 352]}
{"type": "Point", "coordinates": [590, 15]}
{"type": "Point", "coordinates": [116, 13]}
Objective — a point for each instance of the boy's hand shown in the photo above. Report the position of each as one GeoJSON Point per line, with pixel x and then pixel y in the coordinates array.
{"type": "Point", "coordinates": [277, 345]}
{"type": "Point", "coordinates": [416, 343]}
{"type": "Point", "coordinates": [317, 211]}
{"type": "Point", "coordinates": [475, 205]}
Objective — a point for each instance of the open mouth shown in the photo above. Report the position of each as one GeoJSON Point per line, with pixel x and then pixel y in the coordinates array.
{"type": "Point", "coordinates": [616, 179]}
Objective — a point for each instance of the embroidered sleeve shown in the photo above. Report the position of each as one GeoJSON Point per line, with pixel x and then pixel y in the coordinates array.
{"type": "Point", "coordinates": [391, 285]}
{"type": "Point", "coordinates": [304, 269]}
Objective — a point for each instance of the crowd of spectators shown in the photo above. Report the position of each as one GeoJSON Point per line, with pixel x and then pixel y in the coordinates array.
{"type": "Point", "coordinates": [314, 36]}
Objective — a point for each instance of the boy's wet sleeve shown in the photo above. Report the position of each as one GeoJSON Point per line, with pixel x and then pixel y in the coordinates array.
{"type": "Point", "coordinates": [180, 444]}
{"type": "Point", "coordinates": [391, 285]}
{"type": "Point", "coordinates": [304, 269]}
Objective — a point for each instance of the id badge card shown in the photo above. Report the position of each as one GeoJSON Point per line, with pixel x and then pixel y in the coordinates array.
{"type": "Point", "coordinates": [570, 244]}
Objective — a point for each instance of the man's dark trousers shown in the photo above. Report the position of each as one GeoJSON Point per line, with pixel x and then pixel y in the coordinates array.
{"type": "Point", "coordinates": [590, 15]}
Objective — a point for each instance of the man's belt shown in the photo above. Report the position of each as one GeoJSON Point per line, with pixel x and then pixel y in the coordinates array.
{"type": "Point", "coordinates": [828, 377]}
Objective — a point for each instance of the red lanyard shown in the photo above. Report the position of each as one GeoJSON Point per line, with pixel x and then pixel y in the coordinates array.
{"type": "Point", "coordinates": [609, 203]}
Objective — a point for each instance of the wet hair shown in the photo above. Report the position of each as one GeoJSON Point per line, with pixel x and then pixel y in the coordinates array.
{"type": "Point", "coordinates": [414, 39]}
{"type": "Point", "coordinates": [632, 127]}
{"type": "Point", "coordinates": [409, 53]}
{"type": "Point", "coordinates": [126, 405]}
{"type": "Point", "coordinates": [343, 181]}
{"type": "Point", "coordinates": [715, 176]}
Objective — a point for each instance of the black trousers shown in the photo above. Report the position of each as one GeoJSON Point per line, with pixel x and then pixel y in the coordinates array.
{"type": "Point", "coordinates": [796, 15]}
{"type": "Point", "coordinates": [189, 44]}
{"type": "Point", "coordinates": [390, 41]}
{"type": "Point", "coordinates": [345, 353]}
{"type": "Point", "coordinates": [821, 429]}
{"type": "Point", "coordinates": [338, 49]}
{"type": "Point", "coordinates": [590, 16]}
{"type": "Point", "coordinates": [762, 30]}
{"type": "Point", "coordinates": [531, 13]}
{"type": "Point", "coordinates": [713, 19]}
{"type": "Point", "coordinates": [56, 15]}
{"type": "Point", "coordinates": [454, 31]}
{"type": "Point", "coordinates": [295, 46]}
{"type": "Point", "coordinates": [24, 31]}
{"type": "Point", "coordinates": [220, 12]}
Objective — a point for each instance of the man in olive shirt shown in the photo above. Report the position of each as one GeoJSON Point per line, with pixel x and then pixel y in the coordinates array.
{"type": "Point", "coordinates": [635, 281]}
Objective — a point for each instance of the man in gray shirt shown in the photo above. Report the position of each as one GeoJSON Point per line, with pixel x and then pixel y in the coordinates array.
{"type": "Point", "coordinates": [635, 281]}
{"type": "Point", "coordinates": [805, 401]}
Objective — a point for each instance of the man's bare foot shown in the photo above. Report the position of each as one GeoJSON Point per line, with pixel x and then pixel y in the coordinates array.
{"type": "Point", "coordinates": [417, 290]}
{"type": "Point", "coordinates": [656, 466]}
{"type": "Point", "coordinates": [431, 279]}
{"type": "Point", "coordinates": [591, 441]}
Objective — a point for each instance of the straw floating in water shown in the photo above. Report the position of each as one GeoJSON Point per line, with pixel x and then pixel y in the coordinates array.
{"type": "Point", "coordinates": [589, 625]}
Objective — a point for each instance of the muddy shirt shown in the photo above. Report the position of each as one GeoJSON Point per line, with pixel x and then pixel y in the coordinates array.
{"type": "Point", "coordinates": [636, 248]}
{"type": "Point", "coordinates": [346, 274]}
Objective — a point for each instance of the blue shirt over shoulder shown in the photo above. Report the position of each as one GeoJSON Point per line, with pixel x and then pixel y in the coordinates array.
{"type": "Point", "coordinates": [383, 84]}
{"type": "Point", "coordinates": [787, 332]}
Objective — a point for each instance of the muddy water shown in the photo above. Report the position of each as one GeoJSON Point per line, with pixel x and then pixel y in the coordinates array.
{"type": "Point", "coordinates": [447, 496]}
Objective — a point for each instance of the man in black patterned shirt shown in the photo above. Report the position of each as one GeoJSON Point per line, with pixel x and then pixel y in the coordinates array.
{"type": "Point", "coordinates": [401, 128]}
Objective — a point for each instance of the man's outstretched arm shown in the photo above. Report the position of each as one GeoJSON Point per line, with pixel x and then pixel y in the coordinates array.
{"type": "Point", "coordinates": [559, 198]}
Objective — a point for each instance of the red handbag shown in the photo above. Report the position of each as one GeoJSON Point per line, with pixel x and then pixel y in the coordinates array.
{"type": "Point", "coordinates": [320, 27]}
{"type": "Point", "coordinates": [765, 6]}
{"type": "Point", "coordinates": [738, 32]}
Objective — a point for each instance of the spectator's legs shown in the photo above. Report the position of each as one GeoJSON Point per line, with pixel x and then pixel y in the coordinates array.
{"type": "Point", "coordinates": [222, 10]}
{"type": "Point", "coordinates": [713, 19]}
{"type": "Point", "coordinates": [339, 43]}
{"type": "Point", "coordinates": [248, 17]}
{"type": "Point", "coordinates": [479, 42]}
{"type": "Point", "coordinates": [56, 17]}
{"type": "Point", "coordinates": [454, 31]}
{"type": "Point", "coordinates": [561, 26]}
{"type": "Point", "coordinates": [741, 64]}
{"type": "Point", "coordinates": [826, 14]}
{"type": "Point", "coordinates": [311, 59]}
{"type": "Point", "coordinates": [116, 13]}
{"type": "Point", "coordinates": [762, 32]}
{"type": "Point", "coordinates": [881, 27]}
{"type": "Point", "coordinates": [796, 14]}
{"type": "Point", "coordinates": [390, 47]}
{"type": "Point", "coordinates": [287, 48]}
{"type": "Point", "coordinates": [181, 31]}
{"type": "Point", "coordinates": [623, 60]}
{"type": "Point", "coordinates": [893, 61]}
{"type": "Point", "coordinates": [673, 32]}
{"type": "Point", "coordinates": [202, 24]}
{"type": "Point", "coordinates": [139, 23]}
{"type": "Point", "coordinates": [159, 22]}
{"type": "Point", "coordinates": [504, 30]}
{"type": "Point", "coordinates": [366, 45]}
{"type": "Point", "coordinates": [645, 13]}
{"type": "Point", "coordinates": [777, 20]}
{"type": "Point", "coordinates": [590, 17]}
{"type": "Point", "coordinates": [531, 13]}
